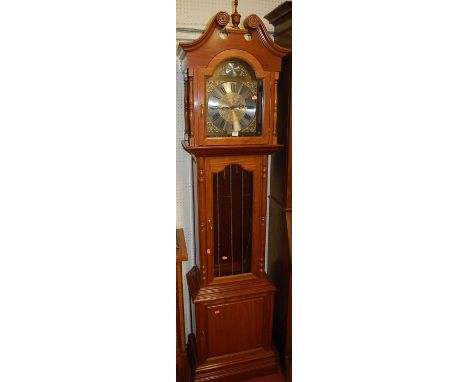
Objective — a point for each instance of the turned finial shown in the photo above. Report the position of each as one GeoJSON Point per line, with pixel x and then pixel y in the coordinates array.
{"type": "Point", "coordinates": [235, 17]}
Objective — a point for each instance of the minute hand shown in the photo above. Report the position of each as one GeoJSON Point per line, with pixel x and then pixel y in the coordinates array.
{"type": "Point", "coordinates": [235, 121]}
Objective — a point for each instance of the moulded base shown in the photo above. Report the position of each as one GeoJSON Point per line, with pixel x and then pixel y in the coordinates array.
{"type": "Point", "coordinates": [233, 367]}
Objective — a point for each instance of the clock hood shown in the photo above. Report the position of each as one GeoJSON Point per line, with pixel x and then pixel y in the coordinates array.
{"type": "Point", "coordinates": [217, 37]}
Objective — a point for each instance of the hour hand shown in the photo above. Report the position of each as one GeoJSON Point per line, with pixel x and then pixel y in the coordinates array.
{"type": "Point", "coordinates": [235, 122]}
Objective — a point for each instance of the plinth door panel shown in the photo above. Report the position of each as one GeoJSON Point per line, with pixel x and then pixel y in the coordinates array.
{"type": "Point", "coordinates": [234, 327]}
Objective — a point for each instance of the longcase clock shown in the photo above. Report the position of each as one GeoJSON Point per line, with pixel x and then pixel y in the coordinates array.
{"type": "Point", "coordinates": [230, 129]}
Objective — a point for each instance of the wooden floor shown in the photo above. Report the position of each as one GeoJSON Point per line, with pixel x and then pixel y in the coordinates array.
{"type": "Point", "coordinates": [277, 377]}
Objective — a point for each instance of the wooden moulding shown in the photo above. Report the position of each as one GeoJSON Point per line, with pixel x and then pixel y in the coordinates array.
{"type": "Point", "coordinates": [228, 287]}
{"type": "Point", "coordinates": [234, 289]}
{"type": "Point", "coordinates": [220, 20]}
{"type": "Point", "coordinates": [190, 123]}
{"type": "Point", "coordinates": [263, 213]}
{"type": "Point", "coordinates": [222, 150]}
{"type": "Point", "coordinates": [202, 226]}
{"type": "Point", "coordinates": [202, 50]}
{"type": "Point", "coordinates": [252, 23]}
{"type": "Point", "coordinates": [275, 107]}
{"type": "Point", "coordinates": [255, 364]}
{"type": "Point", "coordinates": [186, 110]}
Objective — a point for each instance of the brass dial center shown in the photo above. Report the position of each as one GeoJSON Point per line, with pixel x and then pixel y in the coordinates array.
{"type": "Point", "coordinates": [232, 106]}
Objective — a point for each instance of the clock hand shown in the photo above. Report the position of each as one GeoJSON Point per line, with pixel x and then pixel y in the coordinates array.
{"type": "Point", "coordinates": [235, 121]}
{"type": "Point", "coordinates": [237, 107]}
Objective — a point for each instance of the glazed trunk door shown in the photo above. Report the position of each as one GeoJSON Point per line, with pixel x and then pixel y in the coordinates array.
{"type": "Point", "coordinates": [232, 221]}
{"type": "Point", "coordinates": [233, 201]}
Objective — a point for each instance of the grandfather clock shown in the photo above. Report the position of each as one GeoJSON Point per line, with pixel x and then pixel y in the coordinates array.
{"type": "Point", "coordinates": [230, 129]}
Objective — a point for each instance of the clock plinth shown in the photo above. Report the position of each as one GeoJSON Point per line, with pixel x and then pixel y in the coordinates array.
{"type": "Point", "coordinates": [237, 344]}
{"type": "Point", "coordinates": [230, 112]}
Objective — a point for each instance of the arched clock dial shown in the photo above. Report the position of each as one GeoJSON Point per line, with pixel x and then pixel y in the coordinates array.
{"type": "Point", "coordinates": [234, 101]}
{"type": "Point", "coordinates": [232, 106]}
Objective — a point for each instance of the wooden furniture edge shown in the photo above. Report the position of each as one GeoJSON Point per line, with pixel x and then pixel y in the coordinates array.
{"type": "Point", "coordinates": [181, 247]}
{"type": "Point", "coordinates": [230, 149]}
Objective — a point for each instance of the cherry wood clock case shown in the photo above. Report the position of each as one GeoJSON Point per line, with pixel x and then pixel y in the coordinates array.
{"type": "Point", "coordinates": [230, 129]}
